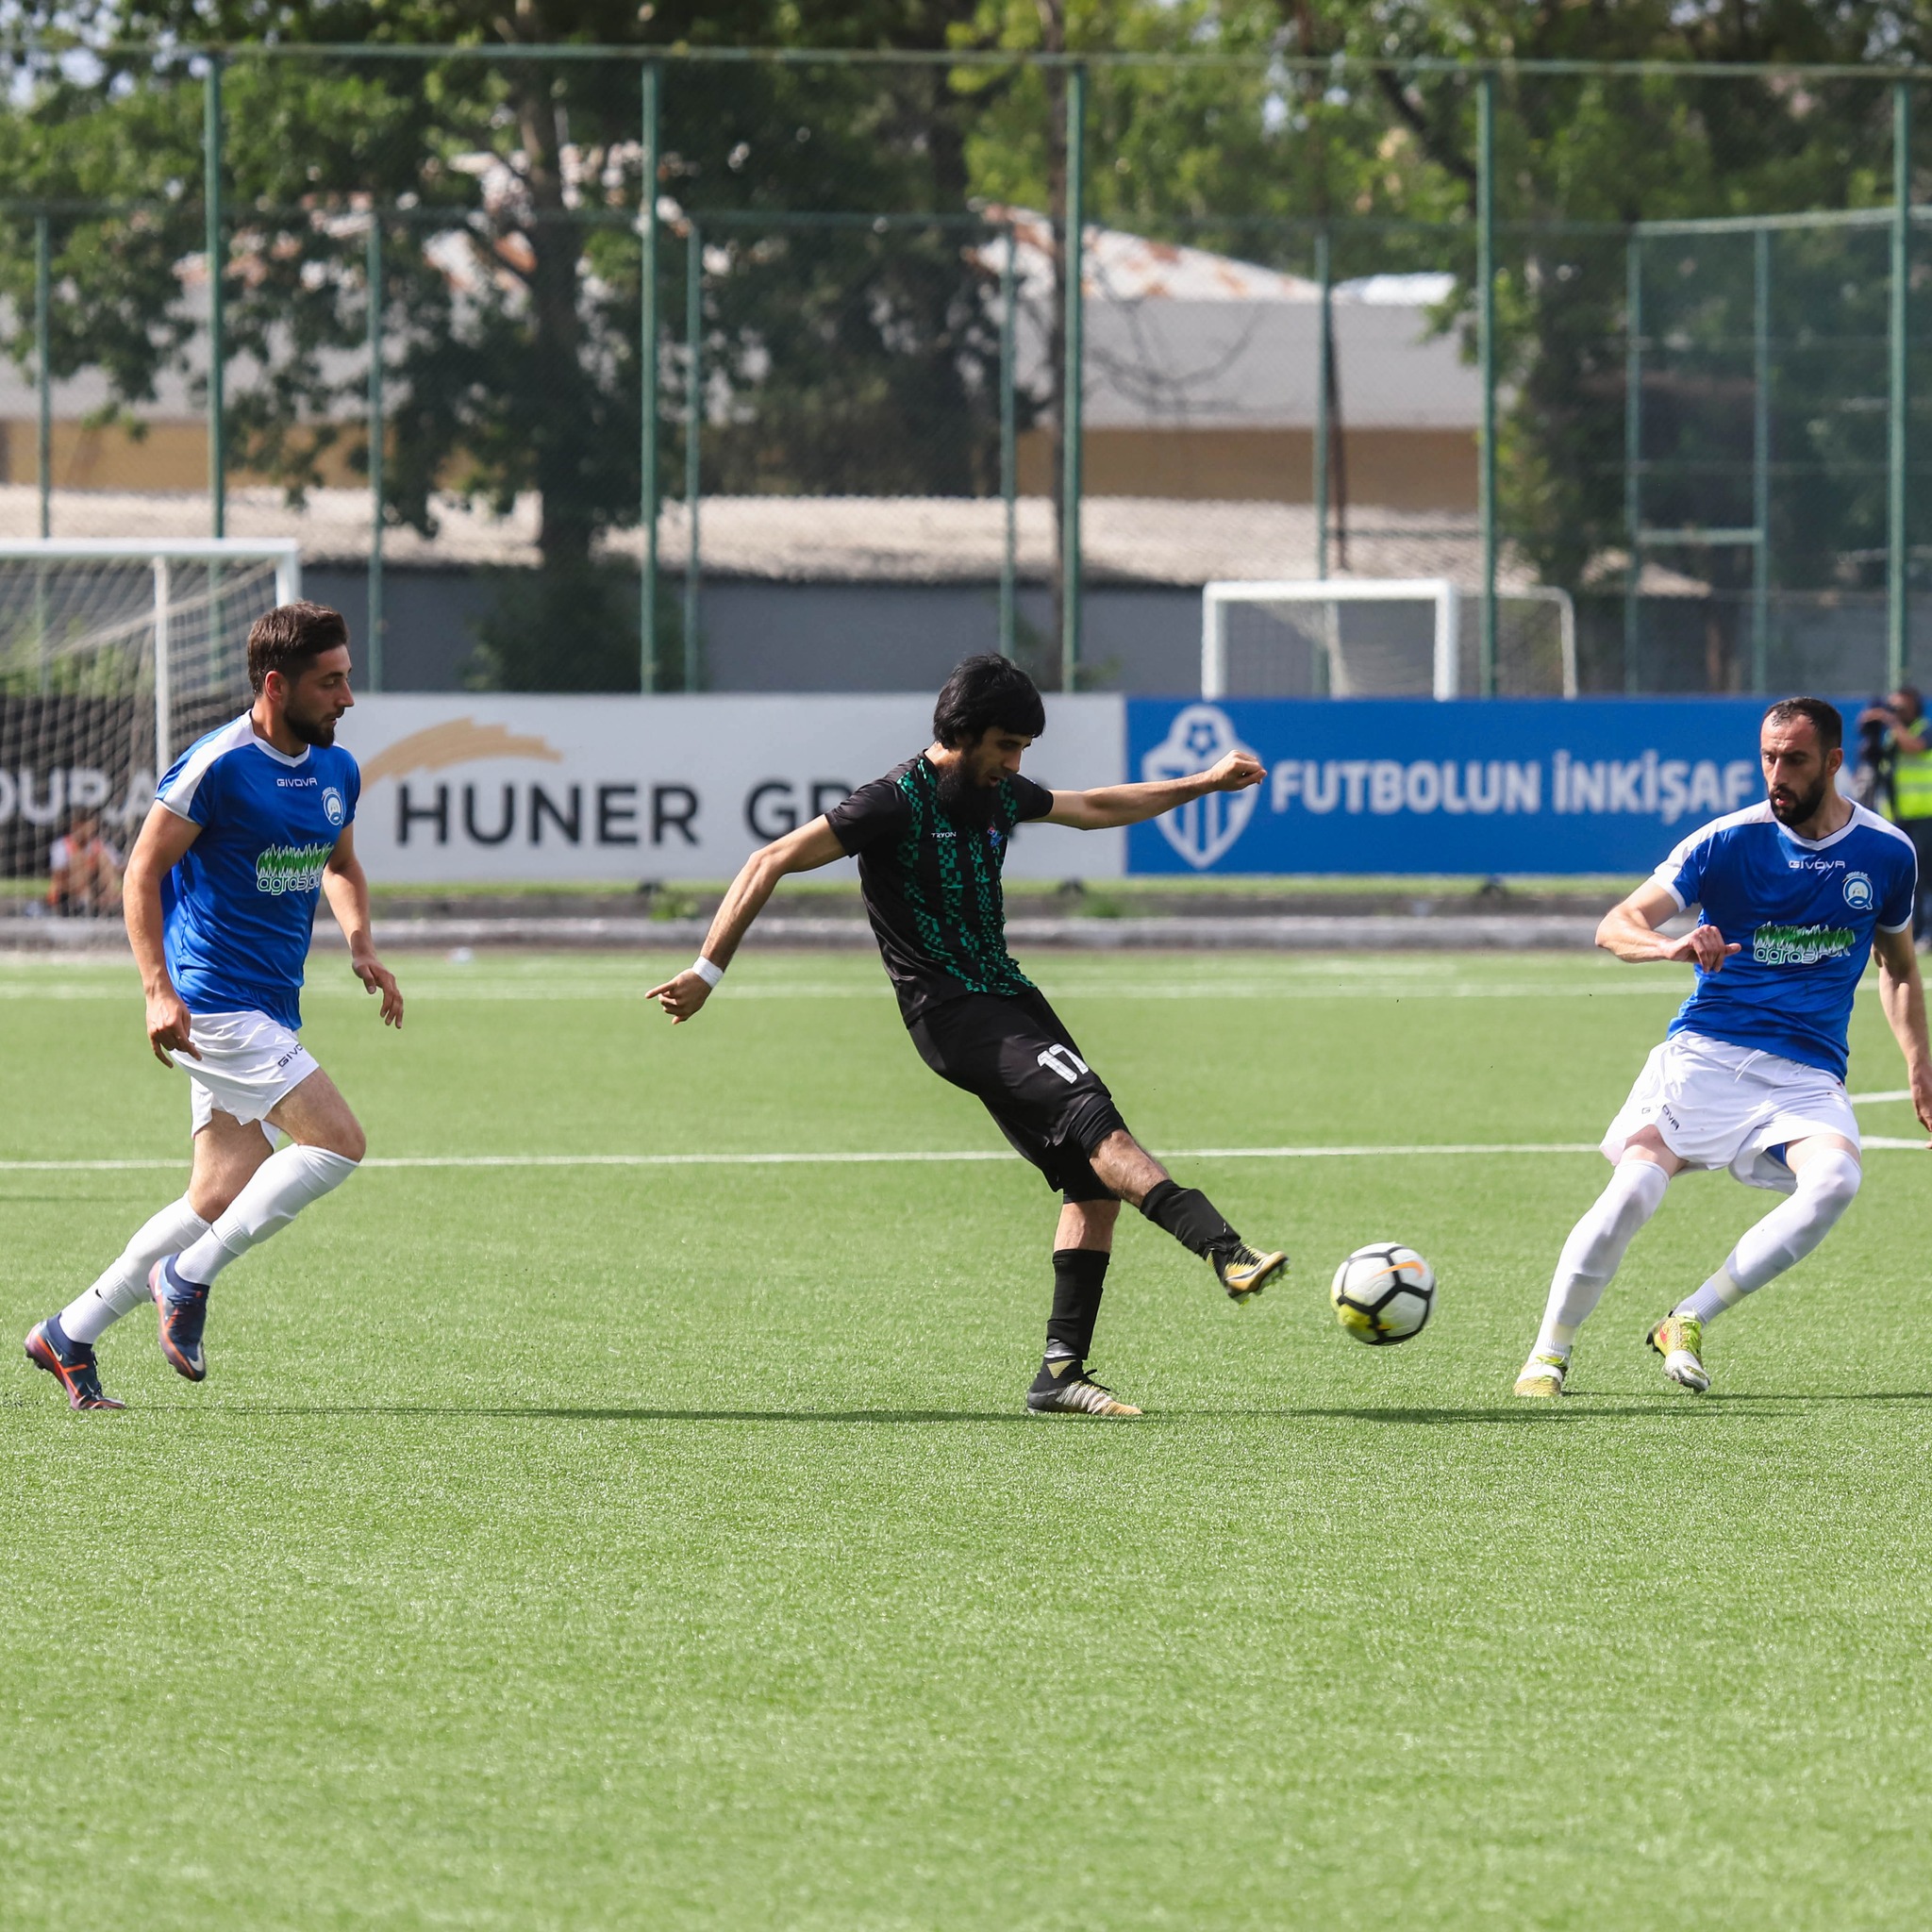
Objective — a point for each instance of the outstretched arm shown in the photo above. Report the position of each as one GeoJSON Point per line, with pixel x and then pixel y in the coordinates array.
{"type": "Point", "coordinates": [346, 887]}
{"type": "Point", "coordinates": [1630, 931]}
{"type": "Point", "coordinates": [804, 850]}
{"type": "Point", "coordinates": [1903, 997]}
{"type": "Point", "coordinates": [1128, 805]}
{"type": "Point", "coordinates": [165, 836]}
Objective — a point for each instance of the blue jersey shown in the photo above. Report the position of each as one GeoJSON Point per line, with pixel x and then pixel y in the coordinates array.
{"type": "Point", "coordinates": [240, 906]}
{"type": "Point", "coordinates": [1804, 910]}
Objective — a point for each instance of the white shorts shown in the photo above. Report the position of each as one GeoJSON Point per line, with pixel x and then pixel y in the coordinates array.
{"type": "Point", "coordinates": [248, 1064]}
{"type": "Point", "coordinates": [1721, 1105]}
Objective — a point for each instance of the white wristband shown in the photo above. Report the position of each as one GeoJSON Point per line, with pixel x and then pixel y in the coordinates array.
{"type": "Point", "coordinates": [705, 971]}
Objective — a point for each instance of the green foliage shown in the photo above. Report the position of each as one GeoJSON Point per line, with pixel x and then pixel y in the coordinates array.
{"type": "Point", "coordinates": [561, 628]}
{"type": "Point", "coordinates": [862, 360]}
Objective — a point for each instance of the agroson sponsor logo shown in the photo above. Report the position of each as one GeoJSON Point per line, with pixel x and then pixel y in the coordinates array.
{"type": "Point", "coordinates": [281, 869]}
{"type": "Point", "coordinates": [1801, 946]}
{"type": "Point", "coordinates": [561, 811]}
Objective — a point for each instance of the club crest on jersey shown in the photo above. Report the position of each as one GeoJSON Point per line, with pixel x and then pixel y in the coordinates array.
{"type": "Point", "coordinates": [291, 869]}
{"type": "Point", "coordinates": [1858, 895]}
{"type": "Point", "coordinates": [333, 809]}
{"type": "Point", "coordinates": [1203, 829]}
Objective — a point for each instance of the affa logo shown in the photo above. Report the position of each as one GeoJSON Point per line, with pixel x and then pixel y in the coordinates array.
{"type": "Point", "coordinates": [333, 809]}
{"type": "Point", "coordinates": [1858, 895]}
{"type": "Point", "coordinates": [1203, 829]}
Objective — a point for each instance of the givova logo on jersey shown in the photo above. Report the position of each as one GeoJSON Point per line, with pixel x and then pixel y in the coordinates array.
{"type": "Point", "coordinates": [291, 869]}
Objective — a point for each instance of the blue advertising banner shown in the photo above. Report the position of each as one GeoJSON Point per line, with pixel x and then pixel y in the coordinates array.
{"type": "Point", "coordinates": [1402, 785]}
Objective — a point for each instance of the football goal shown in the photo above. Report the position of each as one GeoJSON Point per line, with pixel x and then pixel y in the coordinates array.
{"type": "Point", "coordinates": [114, 656]}
{"type": "Point", "coordinates": [1379, 636]}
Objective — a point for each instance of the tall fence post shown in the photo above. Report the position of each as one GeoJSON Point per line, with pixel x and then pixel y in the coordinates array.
{"type": "Point", "coordinates": [1485, 345]}
{"type": "Point", "coordinates": [43, 373]}
{"type": "Point", "coordinates": [217, 347]}
{"type": "Point", "coordinates": [1760, 459]}
{"type": "Point", "coordinates": [647, 367]}
{"type": "Point", "coordinates": [1898, 448]}
{"type": "Point", "coordinates": [1324, 350]}
{"type": "Point", "coordinates": [693, 422]}
{"type": "Point", "coordinates": [1072, 483]}
{"type": "Point", "coordinates": [1633, 454]}
{"type": "Point", "coordinates": [1009, 293]}
{"type": "Point", "coordinates": [372, 273]}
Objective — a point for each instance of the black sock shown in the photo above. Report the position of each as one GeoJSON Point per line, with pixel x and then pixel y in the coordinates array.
{"type": "Point", "coordinates": [1190, 1217]}
{"type": "Point", "coordinates": [1079, 1274]}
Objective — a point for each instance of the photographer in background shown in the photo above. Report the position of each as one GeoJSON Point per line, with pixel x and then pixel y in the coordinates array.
{"type": "Point", "coordinates": [86, 870]}
{"type": "Point", "coordinates": [1895, 741]}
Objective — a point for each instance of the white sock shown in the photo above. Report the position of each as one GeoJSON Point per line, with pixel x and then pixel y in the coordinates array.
{"type": "Point", "coordinates": [278, 1190]}
{"type": "Point", "coordinates": [123, 1287]}
{"type": "Point", "coordinates": [1827, 1185]}
{"type": "Point", "coordinates": [1596, 1249]}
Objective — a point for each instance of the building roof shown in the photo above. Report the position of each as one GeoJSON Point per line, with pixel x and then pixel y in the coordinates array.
{"type": "Point", "coordinates": [838, 539]}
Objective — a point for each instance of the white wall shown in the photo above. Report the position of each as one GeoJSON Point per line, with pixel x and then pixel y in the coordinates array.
{"type": "Point", "coordinates": [667, 787]}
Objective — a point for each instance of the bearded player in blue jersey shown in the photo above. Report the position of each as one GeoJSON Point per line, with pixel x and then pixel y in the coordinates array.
{"type": "Point", "coordinates": [249, 826]}
{"type": "Point", "coordinates": [1796, 894]}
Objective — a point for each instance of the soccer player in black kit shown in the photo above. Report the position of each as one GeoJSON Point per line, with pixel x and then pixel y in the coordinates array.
{"type": "Point", "coordinates": [930, 837]}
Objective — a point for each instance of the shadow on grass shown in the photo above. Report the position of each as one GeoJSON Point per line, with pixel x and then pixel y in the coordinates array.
{"type": "Point", "coordinates": [536, 1413]}
{"type": "Point", "coordinates": [1409, 1417]}
{"type": "Point", "coordinates": [1577, 1409]}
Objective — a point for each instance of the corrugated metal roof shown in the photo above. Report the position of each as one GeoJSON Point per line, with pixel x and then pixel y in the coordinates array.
{"type": "Point", "coordinates": [830, 540]}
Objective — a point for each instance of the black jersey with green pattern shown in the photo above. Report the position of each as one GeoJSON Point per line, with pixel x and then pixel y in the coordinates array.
{"type": "Point", "coordinates": [932, 885]}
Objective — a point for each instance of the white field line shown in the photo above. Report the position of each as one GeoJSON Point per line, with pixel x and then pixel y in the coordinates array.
{"type": "Point", "coordinates": [442, 992]}
{"type": "Point", "coordinates": [1412, 1151]}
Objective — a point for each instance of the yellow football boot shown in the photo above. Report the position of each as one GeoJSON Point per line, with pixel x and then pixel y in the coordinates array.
{"type": "Point", "coordinates": [1244, 1272]}
{"type": "Point", "coordinates": [1543, 1376]}
{"type": "Point", "coordinates": [1679, 1339]}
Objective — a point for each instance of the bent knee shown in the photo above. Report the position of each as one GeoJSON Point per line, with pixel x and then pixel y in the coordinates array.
{"type": "Point", "coordinates": [348, 1140]}
{"type": "Point", "coordinates": [1833, 1175]}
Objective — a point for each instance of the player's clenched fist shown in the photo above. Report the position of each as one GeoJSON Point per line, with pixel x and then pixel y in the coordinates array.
{"type": "Point", "coordinates": [168, 1026]}
{"type": "Point", "coordinates": [1236, 773]}
{"type": "Point", "coordinates": [680, 998]}
{"type": "Point", "coordinates": [1705, 946]}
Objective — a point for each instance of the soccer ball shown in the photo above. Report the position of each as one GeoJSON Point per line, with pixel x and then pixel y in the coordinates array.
{"type": "Point", "coordinates": [1383, 1293]}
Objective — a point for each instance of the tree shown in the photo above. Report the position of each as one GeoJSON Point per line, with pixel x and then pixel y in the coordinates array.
{"type": "Point", "coordinates": [508, 191]}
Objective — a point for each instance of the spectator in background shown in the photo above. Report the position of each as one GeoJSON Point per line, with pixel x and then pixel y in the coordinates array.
{"type": "Point", "coordinates": [1907, 757]}
{"type": "Point", "coordinates": [87, 870]}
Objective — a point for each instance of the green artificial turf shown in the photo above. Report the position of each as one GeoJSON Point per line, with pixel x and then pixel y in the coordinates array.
{"type": "Point", "coordinates": [581, 1546]}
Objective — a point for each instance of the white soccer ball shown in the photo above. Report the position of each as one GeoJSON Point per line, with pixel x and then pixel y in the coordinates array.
{"type": "Point", "coordinates": [1384, 1294]}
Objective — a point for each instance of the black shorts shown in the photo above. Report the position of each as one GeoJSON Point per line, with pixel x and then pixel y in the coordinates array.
{"type": "Point", "coordinates": [1020, 1061]}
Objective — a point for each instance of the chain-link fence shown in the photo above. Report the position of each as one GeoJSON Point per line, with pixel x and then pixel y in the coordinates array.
{"type": "Point", "coordinates": [573, 351]}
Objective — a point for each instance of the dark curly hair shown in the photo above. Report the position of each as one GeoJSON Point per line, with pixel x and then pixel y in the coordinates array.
{"type": "Point", "coordinates": [984, 695]}
{"type": "Point", "coordinates": [290, 638]}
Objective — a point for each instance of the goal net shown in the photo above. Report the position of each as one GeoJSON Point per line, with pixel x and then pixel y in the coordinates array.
{"type": "Point", "coordinates": [115, 656]}
{"type": "Point", "coordinates": [1380, 637]}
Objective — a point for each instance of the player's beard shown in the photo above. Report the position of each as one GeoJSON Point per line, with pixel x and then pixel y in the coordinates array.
{"type": "Point", "coordinates": [1795, 808]}
{"type": "Point", "coordinates": [969, 806]}
{"type": "Point", "coordinates": [320, 728]}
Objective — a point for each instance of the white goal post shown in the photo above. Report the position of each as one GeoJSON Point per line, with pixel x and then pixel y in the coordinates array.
{"type": "Point", "coordinates": [1322, 599]}
{"type": "Point", "coordinates": [123, 616]}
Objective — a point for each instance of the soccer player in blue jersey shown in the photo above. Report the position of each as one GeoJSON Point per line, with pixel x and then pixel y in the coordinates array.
{"type": "Point", "coordinates": [248, 827]}
{"type": "Point", "coordinates": [1796, 894]}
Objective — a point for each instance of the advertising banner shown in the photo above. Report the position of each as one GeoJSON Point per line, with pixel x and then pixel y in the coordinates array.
{"type": "Point", "coordinates": [459, 788]}
{"type": "Point", "coordinates": [1591, 785]}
